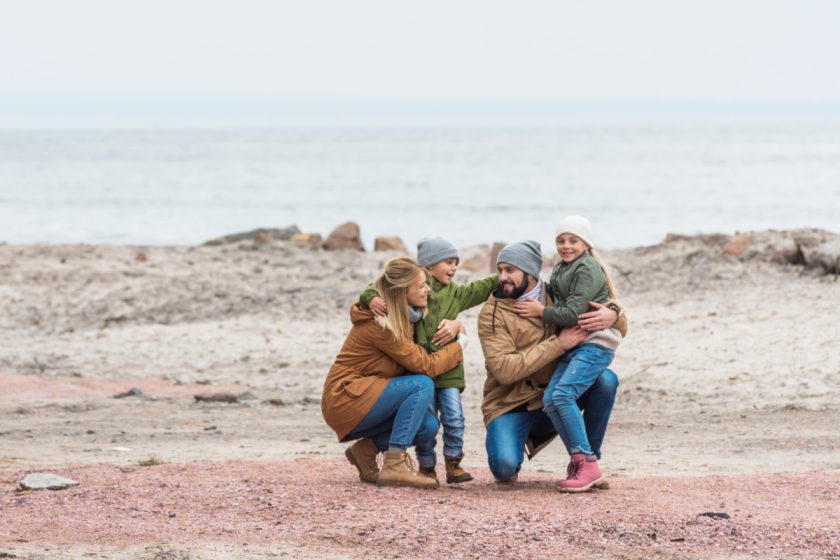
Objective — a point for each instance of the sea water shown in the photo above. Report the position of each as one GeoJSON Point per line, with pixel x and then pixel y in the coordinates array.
{"type": "Point", "coordinates": [469, 185]}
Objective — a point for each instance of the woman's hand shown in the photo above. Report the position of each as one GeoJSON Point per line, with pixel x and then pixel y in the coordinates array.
{"type": "Point", "coordinates": [529, 308]}
{"type": "Point", "coordinates": [602, 318]}
{"type": "Point", "coordinates": [571, 337]}
{"type": "Point", "coordinates": [378, 306]}
{"type": "Point", "coordinates": [447, 330]}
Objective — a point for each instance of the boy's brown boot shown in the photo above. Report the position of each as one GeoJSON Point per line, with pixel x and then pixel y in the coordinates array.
{"type": "Point", "coordinates": [362, 455]}
{"type": "Point", "coordinates": [454, 472]}
{"type": "Point", "coordinates": [397, 470]}
{"type": "Point", "coordinates": [429, 472]}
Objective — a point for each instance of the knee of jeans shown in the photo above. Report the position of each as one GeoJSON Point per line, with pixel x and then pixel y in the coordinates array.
{"type": "Point", "coordinates": [426, 385]}
{"type": "Point", "coordinates": [608, 382]}
{"type": "Point", "coordinates": [503, 469]}
{"type": "Point", "coordinates": [429, 427]}
{"type": "Point", "coordinates": [558, 398]}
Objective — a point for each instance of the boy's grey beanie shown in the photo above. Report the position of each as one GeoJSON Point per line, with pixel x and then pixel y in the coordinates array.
{"type": "Point", "coordinates": [432, 250]}
{"type": "Point", "coordinates": [525, 255]}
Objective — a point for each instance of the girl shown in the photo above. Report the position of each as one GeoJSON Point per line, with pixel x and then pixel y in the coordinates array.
{"type": "Point", "coordinates": [579, 278]}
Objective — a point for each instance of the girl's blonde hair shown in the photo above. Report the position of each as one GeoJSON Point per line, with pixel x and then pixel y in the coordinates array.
{"type": "Point", "coordinates": [399, 274]}
{"type": "Point", "coordinates": [610, 286]}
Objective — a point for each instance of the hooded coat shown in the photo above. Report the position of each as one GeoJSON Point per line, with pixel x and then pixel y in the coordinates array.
{"type": "Point", "coordinates": [520, 355]}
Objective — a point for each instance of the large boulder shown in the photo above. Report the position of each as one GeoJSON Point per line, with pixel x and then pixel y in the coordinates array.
{"type": "Point", "coordinates": [344, 237]}
{"type": "Point", "coordinates": [389, 244]}
{"type": "Point", "coordinates": [475, 258]}
{"type": "Point", "coordinates": [311, 240]}
{"type": "Point", "coordinates": [825, 256]}
{"type": "Point", "coordinates": [494, 253]}
{"type": "Point", "coordinates": [262, 235]}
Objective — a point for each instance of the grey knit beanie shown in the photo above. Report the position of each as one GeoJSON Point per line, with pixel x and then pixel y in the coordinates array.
{"type": "Point", "coordinates": [525, 255]}
{"type": "Point", "coordinates": [432, 250]}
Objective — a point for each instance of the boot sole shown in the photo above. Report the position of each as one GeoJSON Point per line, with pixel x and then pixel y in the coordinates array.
{"type": "Point", "coordinates": [458, 480]}
{"type": "Point", "coordinates": [397, 483]}
{"type": "Point", "coordinates": [587, 488]}
{"type": "Point", "coordinates": [353, 462]}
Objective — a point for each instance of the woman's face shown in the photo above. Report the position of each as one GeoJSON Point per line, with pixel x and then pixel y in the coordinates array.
{"type": "Point", "coordinates": [418, 292]}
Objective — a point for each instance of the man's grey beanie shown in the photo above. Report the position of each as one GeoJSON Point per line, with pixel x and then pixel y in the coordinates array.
{"type": "Point", "coordinates": [432, 250]}
{"type": "Point", "coordinates": [525, 255]}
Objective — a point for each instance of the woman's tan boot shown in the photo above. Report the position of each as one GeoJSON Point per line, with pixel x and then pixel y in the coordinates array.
{"type": "Point", "coordinates": [397, 470]}
{"type": "Point", "coordinates": [454, 472]}
{"type": "Point", "coordinates": [362, 455]}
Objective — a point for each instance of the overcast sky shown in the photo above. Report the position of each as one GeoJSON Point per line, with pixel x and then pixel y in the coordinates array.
{"type": "Point", "coordinates": [557, 51]}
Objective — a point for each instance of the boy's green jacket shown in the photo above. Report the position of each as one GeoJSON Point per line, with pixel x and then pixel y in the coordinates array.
{"type": "Point", "coordinates": [445, 302]}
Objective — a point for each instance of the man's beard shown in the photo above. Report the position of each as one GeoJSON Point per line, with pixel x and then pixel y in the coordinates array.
{"type": "Point", "coordinates": [517, 292]}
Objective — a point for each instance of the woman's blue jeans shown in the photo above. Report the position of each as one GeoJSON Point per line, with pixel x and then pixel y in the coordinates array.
{"type": "Point", "coordinates": [576, 372]}
{"type": "Point", "coordinates": [507, 434]}
{"type": "Point", "coordinates": [402, 417]}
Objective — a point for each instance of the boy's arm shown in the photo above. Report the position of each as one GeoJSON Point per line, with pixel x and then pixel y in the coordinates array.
{"type": "Point", "coordinates": [368, 294]}
{"type": "Point", "coordinates": [585, 287]}
{"type": "Point", "coordinates": [476, 292]}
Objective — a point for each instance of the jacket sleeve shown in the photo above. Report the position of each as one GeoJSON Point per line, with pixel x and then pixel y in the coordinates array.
{"type": "Point", "coordinates": [585, 286]}
{"type": "Point", "coordinates": [415, 359]}
{"type": "Point", "coordinates": [367, 295]}
{"type": "Point", "coordinates": [476, 292]}
{"type": "Point", "coordinates": [502, 359]}
{"type": "Point", "coordinates": [621, 323]}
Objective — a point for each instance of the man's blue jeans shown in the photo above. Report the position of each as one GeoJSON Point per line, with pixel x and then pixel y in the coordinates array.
{"type": "Point", "coordinates": [402, 417]}
{"type": "Point", "coordinates": [576, 371]}
{"type": "Point", "coordinates": [507, 434]}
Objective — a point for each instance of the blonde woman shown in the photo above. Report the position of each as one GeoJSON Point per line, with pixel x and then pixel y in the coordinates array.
{"type": "Point", "coordinates": [379, 390]}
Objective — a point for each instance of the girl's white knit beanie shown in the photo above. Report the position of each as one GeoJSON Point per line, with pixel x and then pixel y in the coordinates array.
{"type": "Point", "coordinates": [576, 225]}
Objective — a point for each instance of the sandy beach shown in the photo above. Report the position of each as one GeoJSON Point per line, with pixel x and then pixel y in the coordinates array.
{"type": "Point", "coordinates": [729, 403]}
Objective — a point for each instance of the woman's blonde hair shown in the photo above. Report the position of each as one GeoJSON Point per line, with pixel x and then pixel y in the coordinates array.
{"type": "Point", "coordinates": [399, 274]}
{"type": "Point", "coordinates": [610, 286]}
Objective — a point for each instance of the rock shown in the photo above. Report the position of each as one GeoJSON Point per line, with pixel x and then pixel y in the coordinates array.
{"type": "Point", "coordinates": [475, 258]}
{"type": "Point", "coordinates": [310, 400]}
{"type": "Point", "coordinates": [312, 240]}
{"type": "Point", "coordinates": [346, 236]}
{"type": "Point", "coordinates": [222, 397]}
{"type": "Point", "coordinates": [825, 256]}
{"type": "Point", "coordinates": [247, 396]}
{"type": "Point", "coordinates": [133, 392]}
{"type": "Point", "coordinates": [141, 256]}
{"type": "Point", "coordinates": [715, 514]}
{"type": "Point", "coordinates": [389, 244]}
{"type": "Point", "coordinates": [737, 246]}
{"type": "Point", "coordinates": [46, 481]}
{"type": "Point", "coordinates": [263, 235]}
{"type": "Point", "coordinates": [494, 254]}
{"type": "Point", "coordinates": [276, 402]}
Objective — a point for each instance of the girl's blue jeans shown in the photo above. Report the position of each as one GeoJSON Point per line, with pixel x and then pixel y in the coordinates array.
{"type": "Point", "coordinates": [403, 416]}
{"type": "Point", "coordinates": [507, 434]}
{"type": "Point", "coordinates": [576, 372]}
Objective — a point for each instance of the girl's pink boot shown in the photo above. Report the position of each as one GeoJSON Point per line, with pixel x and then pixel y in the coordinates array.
{"type": "Point", "coordinates": [583, 472]}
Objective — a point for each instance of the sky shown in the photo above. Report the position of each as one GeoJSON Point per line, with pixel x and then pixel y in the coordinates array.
{"type": "Point", "coordinates": [61, 59]}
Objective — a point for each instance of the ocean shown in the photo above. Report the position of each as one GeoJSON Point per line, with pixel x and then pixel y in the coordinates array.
{"type": "Point", "coordinates": [470, 185]}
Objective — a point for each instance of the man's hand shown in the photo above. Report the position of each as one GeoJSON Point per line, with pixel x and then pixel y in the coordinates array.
{"type": "Point", "coordinates": [602, 318]}
{"type": "Point", "coordinates": [378, 306]}
{"type": "Point", "coordinates": [529, 308]}
{"type": "Point", "coordinates": [571, 337]}
{"type": "Point", "coordinates": [447, 330]}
